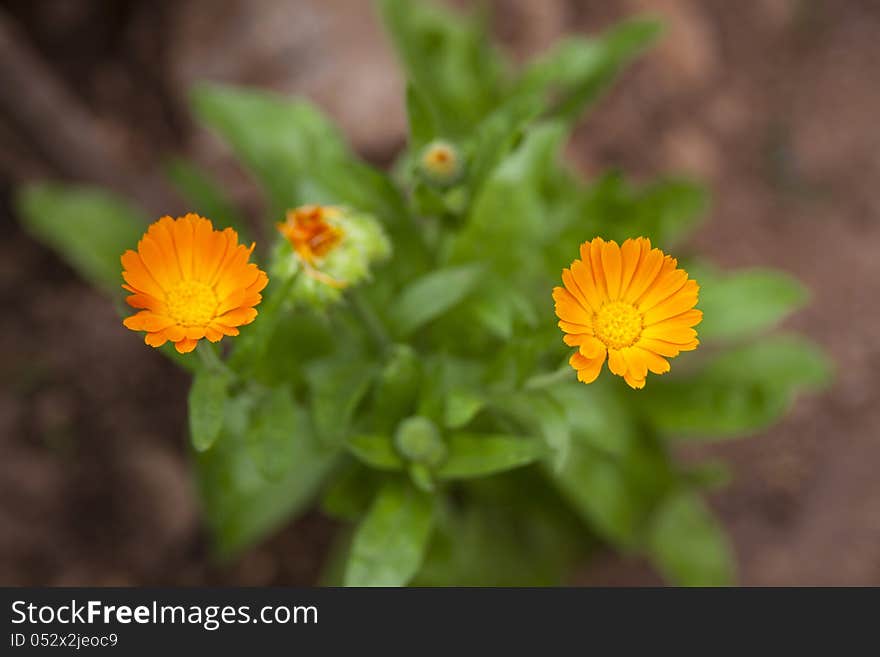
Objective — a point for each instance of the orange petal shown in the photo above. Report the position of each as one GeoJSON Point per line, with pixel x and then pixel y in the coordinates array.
{"type": "Point", "coordinates": [569, 308]}
{"type": "Point", "coordinates": [237, 317]}
{"type": "Point", "coordinates": [613, 268]}
{"type": "Point", "coordinates": [647, 270]}
{"type": "Point", "coordinates": [630, 254]}
{"type": "Point", "coordinates": [583, 277]}
{"type": "Point", "coordinates": [616, 362]}
{"type": "Point", "coordinates": [155, 339]}
{"type": "Point", "coordinates": [656, 364]}
{"type": "Point", "coordinates": [587, 368]}
{"type": "Point", "coordinates": [683, 300]}
{"type": "Point", "coordinates": [185, 346]}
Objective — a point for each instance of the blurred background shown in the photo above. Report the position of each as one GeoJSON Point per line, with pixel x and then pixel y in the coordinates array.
{"type": "Point", "coordinates": [773, 103]}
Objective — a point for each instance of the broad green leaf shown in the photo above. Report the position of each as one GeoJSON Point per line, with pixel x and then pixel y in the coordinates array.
{"type": "Point", "coordinates": [281, 141]}
{"type": "Point", "coordinates": [664, 211]}
{"type": "Point", "coordinates": [616, 495]}
{"type": "Point", "coordinates": [90, 228]}
{"type": "Point", "coordinates": [478, 455]}
{"type": "Point", "coordinates": [507, 225]}
{"type": "Point", "coordinates": [542, 415]}
{"type": "Point", "coordinates": [462, 405]}
{"type": "Point", "coordinates": [688, 545]}
{"type": "Point", "coordinates": [241, 504]}
{"type": "Point", "coordinates": [505, 531]}
{"type": "Point", "coordinates": [206, 196]}
{"type": "Point", "coordinates": [432, 295]}
{"type": "Point", "coordinates": [741, 304]}
{"type": "Point", "coordinates": [351, 488]}
{"type": "Point", "coordinates": [337, 386]}
{"type": "Point", "coordinates": [377, 451]}
{"type": "Point", "coordinates": [422, 128]}
{"type": "Point", "coordinates": [578, 70]}
{"type": "Point", "coordinates": [397, 388]}
{"type": "Point", "coordinates": [390, 542]}
{"type": "Point", "coordinates": [276, 428]}
{"type": "Point", "coordinates": [741, 391]}
{"type": "Point", "coordinates": [208, 395]}
{"type": "Point", "coordinates": [495, 138]}
{"type": "Point", "coordinates": [600, 492]}
{"type": "Point", "coordinates": [448, 58]}
{"type": "Point", "coordinates": [596, 415]}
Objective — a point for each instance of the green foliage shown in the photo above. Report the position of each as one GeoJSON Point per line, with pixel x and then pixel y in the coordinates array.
{"type": "Point", "coordinates": [687, 544]}
{"type": "Point", "coordinates": [390, 542]}
{"type": "Point", "coordinates": [737, 392]}
{"type": "Point", "coordinates": [89, 227]}
{"type": "Point", "coordinates": [207, 403]}
{"type": "Point", "coordinates": [423, 393]}
{"type": "Point", "coordinates": [205, 196]}
{"type": "Point", "coordinates": [744, 303]}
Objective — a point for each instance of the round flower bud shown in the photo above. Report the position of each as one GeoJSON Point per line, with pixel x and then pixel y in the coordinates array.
{"type": "Point", "coordinates": [332, 247]}
{"type": "Point", "coordinates": [440, 163]}
{"type": "Point", "coordinates": [418, 441]}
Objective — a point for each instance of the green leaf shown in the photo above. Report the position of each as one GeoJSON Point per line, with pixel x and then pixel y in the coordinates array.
{"type": "Point", "coordinates": [505, 531]}
{"type": "Point", "coordinates": [283, 142]}
{"type": "Point", "coordinates": [90, 228]}
{"type": "Point", "coordinates": [449, 59]}
{"type": "Point", "coordinates": [208, 395]}
{"type": "Point", "coordinates": [744, 303]}
{"type": "Point", "coordinates": [241, 504]}
{"type": "Point", "coordinates": [390, 542]}
{"type": "Point", "coordinates": [740, 391]}
{"type": "Point", "coordinates": [478, 455]}
{"type": "Point", "coordinates": [422, 129]}
{"type": "Point", "coordinates": [687, 544]}
{"type": "Point", "coordinates": [350, 491]}
{"type": "Point", "coordinates": [599, 490]}
{"type": "Point", "coordinates": [205, 196]}
{"type": "Point", "coordinates": [397, 388]}
{"type": "Point", "coordinates": [664, 211]}
{"type": "Point", "coordinates": [462, 405]}
{"type": "Point", "coordinates": [337, 386]}
{"type": "Point", "coordinates": [276, 426]}
{"type": "Point", "coordinates": [377, 451]}
{"type": "Point", "coordinates": [576, 71]}
{"type": "Point", "coordinates": [431, 295]}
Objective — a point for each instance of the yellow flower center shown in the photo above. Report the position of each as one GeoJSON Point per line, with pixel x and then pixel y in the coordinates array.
{"type": "Point", "coordinates": [618, 324]}
{"type": "Point", "coordinates": [191, 303]}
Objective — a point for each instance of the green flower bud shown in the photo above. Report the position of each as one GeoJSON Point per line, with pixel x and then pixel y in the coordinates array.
{"type": "Point", "coordinates": [440, 163]}
{"type": "Point", "coordinates": [418, 441]}
{"type": "Point", "coordinates": [333, 247]}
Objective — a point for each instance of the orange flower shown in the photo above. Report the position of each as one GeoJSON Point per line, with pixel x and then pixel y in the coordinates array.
{"type": "Point", "coordinates": [310, 233]}
{"type": "Point", "coordinates": [192, 281]}
{"type": "Point", "coordinates": [629, 303]}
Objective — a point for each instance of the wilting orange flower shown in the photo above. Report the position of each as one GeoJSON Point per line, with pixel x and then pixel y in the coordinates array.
{"type": "Point", "coordinates": [192, 281]}
{"type": "Point", "coordinates": [629, 303]}
{"type": "Point", "coordinates": [310, 233]}
{"type": "Point", "coordinates": [313, 234]}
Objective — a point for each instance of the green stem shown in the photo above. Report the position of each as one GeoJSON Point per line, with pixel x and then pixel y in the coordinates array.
{"type": "Point", "coordinates": [210, 358]}
{"type": "Point", "coordinates": [374, 327]}
{"type": "Point", "coordinates": [564, 373]}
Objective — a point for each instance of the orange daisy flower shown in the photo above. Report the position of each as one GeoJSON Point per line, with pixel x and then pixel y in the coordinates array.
{"type": "Point", "coordinates": [629, 303]}
{"type": "Point", "coordinates": [192, 282]}
{"type": "Point", "coordinates": [310, 233]}
{"type": "Point", "coordinates": [313, 234]}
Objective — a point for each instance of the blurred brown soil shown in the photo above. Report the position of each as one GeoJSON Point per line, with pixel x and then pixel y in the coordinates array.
{"type": "Point", "coordinates": [772, 102]}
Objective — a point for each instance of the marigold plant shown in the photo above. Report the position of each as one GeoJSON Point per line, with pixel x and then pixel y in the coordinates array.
{"type": "Point", "coordinates": [404, 372]}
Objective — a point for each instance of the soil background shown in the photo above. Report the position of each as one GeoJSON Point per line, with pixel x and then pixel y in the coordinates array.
{"type": "Point", "coordinates": [774, 103]}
